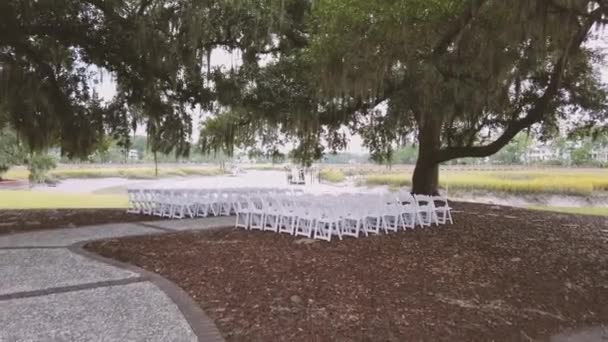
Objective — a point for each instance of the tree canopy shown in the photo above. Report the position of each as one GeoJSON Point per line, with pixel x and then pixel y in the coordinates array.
{"type": "Point", "coordinates": [463, 77]}
{"type": "Point", "coordinates": [158, 52]}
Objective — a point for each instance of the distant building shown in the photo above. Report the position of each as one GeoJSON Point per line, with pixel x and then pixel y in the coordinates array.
{"type": "Point", "coordinates": [133, 155]}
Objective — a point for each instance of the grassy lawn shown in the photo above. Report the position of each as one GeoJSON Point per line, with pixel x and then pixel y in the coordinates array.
{"type": "Point", "coordinates": [145, 172]}
{"type": "Point", "coordinates": [560, 181]}
{"type": "Point", "coordinates": [24, 199]}
{"type": "Point", "coordinates": [597, 211]}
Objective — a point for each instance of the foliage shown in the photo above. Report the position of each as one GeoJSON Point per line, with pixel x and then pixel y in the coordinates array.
{"type": "Point", "coordinates": [110, 151]}
{"type": "Point", "coordinates": [464, 77]}
{"type": "Point", "coordinates": [39, 166]}
{"type": "Point", "coordinates": [11, 151]}
{"type": "Point", "coordinates": [582, 154]}
{"type": "Point", "coordinates": [464, 66]}
{"type": "Point", "coordinates": [514, 152]}
{"type": "Point", "coordinates": [406, 155]}
{"type": "Point", "coordinates": [157, 52]}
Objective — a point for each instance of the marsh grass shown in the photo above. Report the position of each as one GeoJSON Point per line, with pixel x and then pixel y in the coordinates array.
{"type": "Point", "coordinates": [121, 172]}
{"type": "Point", "coordinates": [514, 182]}
{"type": "Point", "coordinates": [25, 199]}
{"type": "Point", "coordinates": [332, 175]}
{"type": "Point", "coordinates": [265, 167]}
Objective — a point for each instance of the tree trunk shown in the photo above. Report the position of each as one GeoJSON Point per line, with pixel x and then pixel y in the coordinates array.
{"type": "Point", "coordinates": [425, 180]}
{"type": "Point", "coordinates": [155, 164]}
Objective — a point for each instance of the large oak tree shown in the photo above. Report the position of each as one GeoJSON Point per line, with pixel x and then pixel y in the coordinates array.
{"type": "Point", "coordinates": [464, 76]}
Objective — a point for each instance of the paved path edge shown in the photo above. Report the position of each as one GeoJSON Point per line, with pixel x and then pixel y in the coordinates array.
{"type": "Point", "coordinates": [203, 327]}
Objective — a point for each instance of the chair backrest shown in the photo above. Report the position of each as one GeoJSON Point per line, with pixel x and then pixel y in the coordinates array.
{"type": "Point", "coordinates": [423, 200]}
{"type": "Point", "coordinates": [242, 203]}
{"type": "Point", "coordinates": [440, 201]}
{"type": "Point", "coordinates": [405, 197]}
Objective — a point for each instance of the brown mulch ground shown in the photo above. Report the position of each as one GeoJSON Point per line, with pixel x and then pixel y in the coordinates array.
{"type": "Point", "coordinates": [498, 274]}
{"type": "Point", "coordinates": [16, 221]}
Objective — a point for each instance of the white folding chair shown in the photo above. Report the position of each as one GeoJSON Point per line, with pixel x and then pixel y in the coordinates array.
{"type": "Point", "coordinates": [257, 215]}
{"type": "Point", "coordinates": [392, 218]}
{"type": "Point", "coordinates": [305, 219]}
{"type": "Point", "coordinates": [425, 210]}
{"type": "Point", "coordinates": [288, 217]}
{"type": "Point", "coordinates": [135, 204]}
{"type": "Point", "coordinates": [272, 214]}
{"type": "Point", "coordinates": [327, 223]}
{"type": "Point", "coordinates": [353, 219]}
{"type": "Point", "coordinates": [374, 211]}
{"type": "Point", "coordinates": [243, 213]}
{"type": "Point", "coordinates": [442, 209]}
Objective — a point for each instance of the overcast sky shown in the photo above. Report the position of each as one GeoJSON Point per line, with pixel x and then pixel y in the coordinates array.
{"type": "Point", "coordinates": [221, 57]}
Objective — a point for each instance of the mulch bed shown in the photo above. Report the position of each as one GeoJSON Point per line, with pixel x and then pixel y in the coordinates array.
{"type": "Point", "coordinates": [16, 221]}
{"type": "Point", "coordinates": [497, 274]}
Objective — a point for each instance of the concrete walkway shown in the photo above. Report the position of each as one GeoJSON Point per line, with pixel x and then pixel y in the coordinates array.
{"type": "Point", "coordinates": [53, 290]}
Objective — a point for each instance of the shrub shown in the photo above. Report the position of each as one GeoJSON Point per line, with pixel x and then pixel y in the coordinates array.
{"type": "Point", "coordinates": [11, 152]}
{"type": "Point", "coordinates": [39, 166]}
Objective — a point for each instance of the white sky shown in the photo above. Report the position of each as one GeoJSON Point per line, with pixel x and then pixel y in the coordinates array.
{"type": "Point", "coordinates": [223, 58]}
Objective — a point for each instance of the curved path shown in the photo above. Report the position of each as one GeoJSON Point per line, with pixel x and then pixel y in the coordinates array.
{"type": "Point", "coordinates": [53, 290]}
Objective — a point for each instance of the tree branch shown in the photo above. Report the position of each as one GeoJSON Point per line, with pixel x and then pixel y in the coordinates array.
{"type": "Point", "coordinates": [143, 6]}
{"type": "Point", "coordinates": [454, 31]}
{"type": "Point", "coordinates": [535, 114]}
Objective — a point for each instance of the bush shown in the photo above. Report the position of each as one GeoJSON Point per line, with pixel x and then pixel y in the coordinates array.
{"type": "Point", "coordinates": [11, 152]}
{"type": "Point", "coordinates": [39, 166]}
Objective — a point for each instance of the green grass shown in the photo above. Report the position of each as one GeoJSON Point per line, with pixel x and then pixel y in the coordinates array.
{"type": "Point", "coordinates": [16, 173]}
{"type": "Point", "coordinates": [120, 172]}
{"type": "Point", "coordinates": [25, 199]}
{"type": "Point", "coordinates": [332, 175]}
{"type": "Point", "coordinates": [560, 182]}
{"type": "Point", "coordinates": [597, 211]}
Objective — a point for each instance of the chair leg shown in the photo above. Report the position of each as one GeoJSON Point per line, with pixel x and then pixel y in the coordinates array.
{"type": "Point", "coordinates": [361, 226]}
{"type": "Point", "coordinates": [337, 230]}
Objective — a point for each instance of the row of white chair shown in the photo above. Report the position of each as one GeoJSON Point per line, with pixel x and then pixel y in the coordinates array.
{"type": "Point", "coordinates": [181, 203]}
{"type": "Point", "coordinates": [322, 217]}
